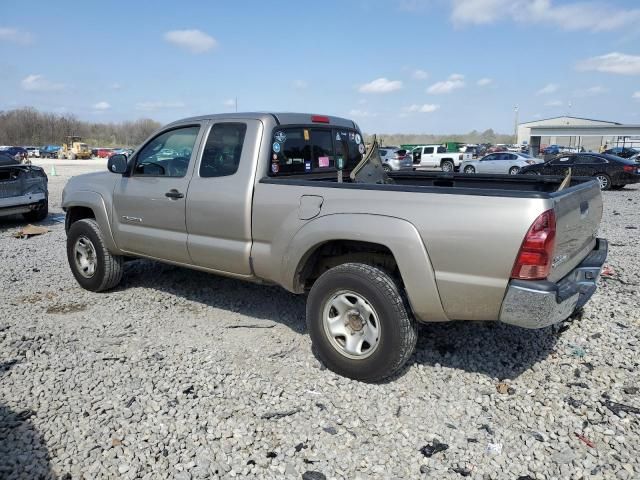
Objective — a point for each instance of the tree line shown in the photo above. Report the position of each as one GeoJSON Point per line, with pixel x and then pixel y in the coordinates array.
{"type": "Point", "coordinates": [28, 126]}
{"type": "Point", "coordinates": [488, 136]}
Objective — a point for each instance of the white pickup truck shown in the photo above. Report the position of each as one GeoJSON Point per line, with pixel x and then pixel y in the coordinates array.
{"type": "Point", "coordinates": [436, 156]}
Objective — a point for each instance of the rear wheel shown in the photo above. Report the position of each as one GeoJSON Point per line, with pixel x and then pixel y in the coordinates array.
{"type": "Point", "coordinates": [469, 169]}
{"type": "Point", "coordinates": [514, 170]}
{"type": "Point", "coordinates": [604, 181]}
{"type": "Point", "coordinates": [447, 166]}
{"type": "Point", "coordinates": [93, 266]}
{"type": "Point", "coordinates": [358, 322]}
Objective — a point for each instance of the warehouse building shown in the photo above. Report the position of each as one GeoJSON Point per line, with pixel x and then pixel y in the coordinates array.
{"type": "Point", "coordinates": [565, 131]}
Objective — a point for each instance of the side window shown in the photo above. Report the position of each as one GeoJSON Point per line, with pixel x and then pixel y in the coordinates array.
{"type": "Point", "coordinates": [428, 150]}
{"type": "Point", "coordinates": [382, 152]}
{"type": "Point", "coordinates": [168, 154]}
{"type": "Point", "coordinates": [221, 156]}
{"type": "Point", "coordinates": [489, 158]}
{"type": "Point", "coordinates": [513, 157]}
{"type": "Point", "coordinates": [442, 149]}
{"type": "Point", "coordinates": [562, 161]}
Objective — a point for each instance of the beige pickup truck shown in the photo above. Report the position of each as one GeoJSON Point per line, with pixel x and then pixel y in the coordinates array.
{"type": "Point", "coordinates": [287, 199]}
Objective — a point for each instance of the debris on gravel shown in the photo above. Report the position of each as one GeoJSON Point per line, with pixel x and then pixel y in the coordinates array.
{"type": "Point", "coordinates": [180, 374]}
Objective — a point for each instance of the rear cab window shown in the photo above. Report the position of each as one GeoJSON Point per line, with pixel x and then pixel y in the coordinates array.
{"type": "Point", "coordinates": [314, 149]}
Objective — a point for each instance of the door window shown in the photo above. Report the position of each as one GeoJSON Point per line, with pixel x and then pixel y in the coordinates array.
{"type": "Point", "coordinates": [168, 154]}
{"type": "Point", "coordinates": [561, 161]}
{"type": "Point", "coordinates": [588, 160]}
{"type": "Point", "coordinates": [489, 158]}
{"type": "Point", "coordinates": [222, 152]}
{"type": "Point", "coordinates": [428, 150]}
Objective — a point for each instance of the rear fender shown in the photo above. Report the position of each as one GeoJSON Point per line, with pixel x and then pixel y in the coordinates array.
{"type": "Point", "coordinates": [399, 236]}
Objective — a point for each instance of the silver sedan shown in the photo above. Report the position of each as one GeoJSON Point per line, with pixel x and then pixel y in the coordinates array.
{"type": "Point", "coordinates": [501, 162]}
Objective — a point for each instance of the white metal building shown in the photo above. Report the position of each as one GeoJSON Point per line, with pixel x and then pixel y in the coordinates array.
{"type": "Point", "coordinates": [591, 142]}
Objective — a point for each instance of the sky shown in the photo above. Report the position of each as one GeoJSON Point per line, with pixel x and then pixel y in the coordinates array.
{"type": "Point", "coordinates": [394, 66]}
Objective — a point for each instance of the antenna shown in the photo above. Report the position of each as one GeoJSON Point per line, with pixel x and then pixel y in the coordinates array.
{"type": "Point", "coordinates": [236, 104]}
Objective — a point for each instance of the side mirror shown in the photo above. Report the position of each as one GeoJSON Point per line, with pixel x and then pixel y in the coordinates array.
{"type": "Point", "coordinates": [117, 163]}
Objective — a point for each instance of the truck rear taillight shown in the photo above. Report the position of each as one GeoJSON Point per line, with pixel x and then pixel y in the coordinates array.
{"type": "Point", "coordinates": [319, 119]}
{"type": "Point", "coordinates": [536, 253]}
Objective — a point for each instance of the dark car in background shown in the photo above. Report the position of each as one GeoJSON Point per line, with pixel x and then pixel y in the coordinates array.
{"type": "Point", "coordinates": [623, 152]}
{"type": "Point", "coordinates": [18, 153]}
{"type": "Point", "coordinates": [611, 172]}
{"type": "Point", "coordinates": [49, 151]}
{"type": "Point", "coordinates": [23, 189]}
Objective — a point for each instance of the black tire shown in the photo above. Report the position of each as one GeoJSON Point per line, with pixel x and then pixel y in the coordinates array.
{"type": "Point", "coordinates": [531, 172]}
{"type": "Point", "coordinates": [605, 181]}
{"type": "Point", "coordinates": [37, 215]}
{"type": "Point", "coordinates": [618, 187]}
{"type": "Point", "coordinates": [108, 269]}
{"type": "Point", "coordinates": [386, 168]}
{"type": "Point", "coordinates": [514, 170]}
{"type": "Point", "coordinates": [469, 169]}
{"type": "Point", "coordinates": [447, 166]}
{"type": "Point", "coordinates": [398, 333]}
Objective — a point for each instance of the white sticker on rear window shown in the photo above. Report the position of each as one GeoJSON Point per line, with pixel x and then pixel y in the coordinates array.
{"type": "Point", "coordinates": [358, 139]}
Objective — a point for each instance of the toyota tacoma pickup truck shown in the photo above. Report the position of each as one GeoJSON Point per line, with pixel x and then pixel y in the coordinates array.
{"type": "Point", "coordinates": [288, 199]}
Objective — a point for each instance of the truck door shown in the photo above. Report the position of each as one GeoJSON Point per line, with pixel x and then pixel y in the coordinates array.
{"type": "Point", "coordinates": [149, 204]}
{"type": "Point", "coordinates": [219, 201]}
{"type": "Point", "coordinates": [427, 159]}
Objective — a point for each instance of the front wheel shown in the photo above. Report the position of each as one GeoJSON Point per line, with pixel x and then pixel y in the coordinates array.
{"type": "Point", "coordinates": [386, 168]}
{"type": "Point", "coordinates": [604, 181]}
{"type": "Point", "coordinates": [358, 322]}
{"type": "Point", "coordinates": [514, 170]}
{"type": "Point", "coordinates": [447, 166]}
{"type": "Point", "coordinates": [469, 169]}
{"type": "Point", "coordinates": [93, 266]}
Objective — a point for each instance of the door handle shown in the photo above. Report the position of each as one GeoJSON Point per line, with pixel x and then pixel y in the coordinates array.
{"type": "Point", "coordinates": [174, 194]}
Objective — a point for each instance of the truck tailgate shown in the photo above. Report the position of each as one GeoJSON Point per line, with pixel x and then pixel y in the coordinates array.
{"type": "Point", "coordinates": [578, 212]}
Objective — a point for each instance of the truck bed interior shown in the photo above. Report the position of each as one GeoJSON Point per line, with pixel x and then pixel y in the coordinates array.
{"type": "Point", "coordinates": [533, 186]}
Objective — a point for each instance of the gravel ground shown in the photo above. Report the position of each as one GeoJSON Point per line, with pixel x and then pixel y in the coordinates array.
{"type": "Point", "coordinates": [177, 374]}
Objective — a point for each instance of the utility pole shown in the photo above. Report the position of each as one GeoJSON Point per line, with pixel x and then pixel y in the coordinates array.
{"type": "Point", "coordinates": [515, 124]}
{"type": "Point", "coordinates": [236, 104]}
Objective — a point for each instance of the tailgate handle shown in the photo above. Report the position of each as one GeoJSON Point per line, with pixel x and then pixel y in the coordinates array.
{"type": "Point", "coordinates": [584, 208]}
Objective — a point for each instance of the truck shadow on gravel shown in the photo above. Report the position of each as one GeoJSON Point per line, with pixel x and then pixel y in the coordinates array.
{"type": "Point", "coordinates": [23, 453]}
{"type": "Point", "coordinates": [492, 349]}
{"type": "Point", "coordinates": [489, 348]}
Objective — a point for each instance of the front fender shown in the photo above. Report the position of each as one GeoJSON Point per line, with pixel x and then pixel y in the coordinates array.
{"type": "Point", "coordinates": [399, 236]}
{"type": "Point", "coordinates": [94, 201]}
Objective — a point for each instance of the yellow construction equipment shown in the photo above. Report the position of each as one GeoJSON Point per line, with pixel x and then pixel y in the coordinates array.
{"type": "Point", "coordinates": [74, 148]}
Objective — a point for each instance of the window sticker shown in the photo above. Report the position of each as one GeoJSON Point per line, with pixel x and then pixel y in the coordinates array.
{"type": "Point", "coordinates": [358, 139]}
{"type": "Point", "coordinates": [344, 134]}
{"type": "Point", "coordinates": [323, 162]}
{"type": "Point", "coordinates": [306, 135]}
{"type": "Point", "coordinates": [307, 166]}
{"type": "Point", "coordinates": [360, 147]}
{"type": "Point", "coordinates": [276, 147]}
{"type": "Point", "coordinates": [275, 168]}
{"type": "Point", "coordinates": [280, 137]}
{"type": "Point", "coordinates": [337, 136]}
{"type": "Point", "coordinates": [275, 156]}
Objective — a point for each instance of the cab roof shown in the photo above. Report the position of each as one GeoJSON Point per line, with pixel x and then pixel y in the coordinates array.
{"type": "Point", "coordinates": [282, 118]}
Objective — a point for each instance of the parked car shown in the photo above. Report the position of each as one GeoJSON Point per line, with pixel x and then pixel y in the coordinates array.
{"type": "Point", "coordinates": [104, 152]}
{"type": "Point", "coordinates": [503, 162]}
{"type": "Point", "coordinates": [551, 150]}
{"type": "Point", "coordinates": [18, 153]}
{"type": "Point", "coordinates": [49, 151]}
{"type": "Point", "coordinates": [33, 151]}
{"type": "Point", "coordinates": [496, 148]}
{"type": "Point", "coordinates": [611, 172]}
{"type": "Point", "coordinates": [394, 159]}
{"type": "Point", "coordinates": [623, 152]}
{"type": "Point", "coordinates": [436, 156]}
{"type": "Point", "coordinates": [23, 189]}
{"type": "Point", "coordinates": [260, 201]}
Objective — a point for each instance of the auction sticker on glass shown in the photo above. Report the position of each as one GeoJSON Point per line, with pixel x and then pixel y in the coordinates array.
{"type": "Point", "coordinates": [280, 137]}
{"type": "Point", "coordinates": [358, 138]}
{"type": "Point", "coordinates": [276, 147]}
{"type": "Point", "coordinates": [323, 162]}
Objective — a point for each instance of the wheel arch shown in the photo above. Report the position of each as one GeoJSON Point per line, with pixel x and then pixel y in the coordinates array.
{"type": "Point", "coordinates": [87, 204]}
{"type": "Point", "coordinates": [387, 241]}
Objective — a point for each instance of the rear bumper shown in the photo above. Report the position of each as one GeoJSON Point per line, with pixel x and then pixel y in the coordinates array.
{"type": "Point", "coordinates": [538, 304]}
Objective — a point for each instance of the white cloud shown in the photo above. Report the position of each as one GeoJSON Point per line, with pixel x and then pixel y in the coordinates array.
{"type": "Point", "coordinates": [39, 83]}
{"type": "Point", "coordinates": [547, 89]}
{"type": "Point", "coordinates": [194, 41]}
{"type": "Point", "coordinates": [553, 103]}
{"type": "Point", "coordinates": [426, 108]}
{"type": "Point", "coordinates": [454, 82]}
{"type": "Point", "coordinates": [361, 113]}
{"type": "Point", "coordinates": [636, 95]}
{"type": "Point", "coordinates": [483, 82]}
{"type": "Point", "coordinates": [102, 106]}
{"type": "Point", "coordinates": [116, 86]}
{"type": "Point", "coordinates": [420, 74]}
{"type": "Point", "coordinates": [300, 84]}
{"type": "Point", "coordinates": [380, 85]}
{"type": "Point", "coordinates": [591, 91]}
{"type": "Point", "coordinates": [14, 35]}
{"type": "Point", "coordinates": [229, 102]}
{"type": "Point", "coordinates": [158, 105]}
{"type": "Point", "coordinates": [579, 15]}
{"type": "Point", "coordinates": [613, 62]}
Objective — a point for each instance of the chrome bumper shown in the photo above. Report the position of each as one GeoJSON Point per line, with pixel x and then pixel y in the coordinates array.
{"type": "Point", "coordinates": [538, 304]}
